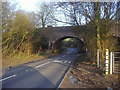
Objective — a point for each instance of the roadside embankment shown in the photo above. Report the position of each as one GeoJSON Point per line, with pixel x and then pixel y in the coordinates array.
{"type": "Point", "coordinates": [8, 62]}
{"type": "Point", "coordinates": [85, 74]}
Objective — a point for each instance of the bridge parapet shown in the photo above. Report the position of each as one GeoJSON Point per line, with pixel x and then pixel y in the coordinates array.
{"type": "Point", "coordinates": [54, 33]}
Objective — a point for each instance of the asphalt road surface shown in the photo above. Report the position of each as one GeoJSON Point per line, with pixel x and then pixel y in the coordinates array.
{"type": "Point", "coordinates": [46, 73]}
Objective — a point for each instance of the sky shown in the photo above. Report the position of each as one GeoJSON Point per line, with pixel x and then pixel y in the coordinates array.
{"type": "Point", "coordinates": [31, 6]}
{"type": "Point", "coordinates": [27, 5]}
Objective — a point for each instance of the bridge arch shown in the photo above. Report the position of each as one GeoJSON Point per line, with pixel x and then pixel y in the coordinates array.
{"type": "Point", "coordinates": [56, 44]}
{"type": "Point", "coordinates": [57, 34]}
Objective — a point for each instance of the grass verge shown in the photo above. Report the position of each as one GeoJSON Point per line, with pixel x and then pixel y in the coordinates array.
{"type": "Point", "coordinates": [7, 62]}
{"type": "Point", "coordinates": [89, 76]}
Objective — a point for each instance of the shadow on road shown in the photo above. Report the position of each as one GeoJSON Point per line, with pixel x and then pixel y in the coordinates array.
{"type": "Point", "coordinates": [25, 77]}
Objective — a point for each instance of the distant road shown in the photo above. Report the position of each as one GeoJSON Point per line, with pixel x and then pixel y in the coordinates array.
{"type": "Point", "coordinates": [46, 73]}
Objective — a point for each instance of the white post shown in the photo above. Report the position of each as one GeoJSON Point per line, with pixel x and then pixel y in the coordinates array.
{"type": "Point", "coordinates": [107, 62]}
{"type": "Point", "coordinates": [98, 58]}
{"type": "Point", "coordinates": [111, 62]}
{"type": "Point", "coordinates": [49, 46]}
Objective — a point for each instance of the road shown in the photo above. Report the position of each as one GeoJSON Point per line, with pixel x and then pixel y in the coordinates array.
{"type": "Point", "coordinates": [46, 73]}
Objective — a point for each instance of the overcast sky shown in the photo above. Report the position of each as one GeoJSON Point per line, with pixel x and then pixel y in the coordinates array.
{"type": "Point", "coordinates": [27, 5]}
{"type": "Point", "coordinates": [30, 5]}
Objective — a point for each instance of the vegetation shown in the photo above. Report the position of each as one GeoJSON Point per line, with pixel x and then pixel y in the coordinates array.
{"type": "Point", "coordinates": [44, 15]}
{"type": "Point", "coordinates": [72, 43]}
{"type": "Point", "coordinates": [100, 19]}
{"type": "Point", "coordinates": [19, 34]}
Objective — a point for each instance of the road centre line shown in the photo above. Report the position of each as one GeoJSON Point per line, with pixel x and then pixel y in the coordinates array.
{"type": "Point", "coordinates": [63, 56]}
{"type": "Point", "coordinates": [42, 64]}
{"type": "Point", "coordinates": [7, 78]}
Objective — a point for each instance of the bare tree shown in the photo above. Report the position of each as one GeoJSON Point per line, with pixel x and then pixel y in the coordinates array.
{"type": "Point", "coordinates": [118, 7]}
{"type": "Point", "coordinates": [8, 14]}
{"type": "Point", "coordinates": [99, 17]}
{"type": "Point", "coordinates": [45, 14]}
{"type": "Point", "coordinates": [70, 10]}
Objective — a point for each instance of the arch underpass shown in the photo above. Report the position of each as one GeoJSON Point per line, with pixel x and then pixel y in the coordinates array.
{"type": "Point", "coordinates": [66, 42]}
{"type": "Point", "coordinates": [57, 34]}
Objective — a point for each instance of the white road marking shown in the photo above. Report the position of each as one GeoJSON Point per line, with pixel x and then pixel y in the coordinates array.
{"type": "Point", "coordinates": [7, 78]}
{"type": "Point", "coordinates": [65, 61]}
{"type": "Point", "coordinates": [63, 56]}
{"type": "Point", "coordinates": [56, 61]}
{"type": "Point", "coordinates": [42, 64]}
{"type": "Point", "coordinates": [61, 61]}
{"type": "Point", "coordinates": [26, 70]}
{"type": "Point", "coordinates": [57, 58]}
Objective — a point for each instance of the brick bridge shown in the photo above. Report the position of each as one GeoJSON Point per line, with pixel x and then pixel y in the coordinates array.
{"type": "Point", "coordinates": [57, 34]}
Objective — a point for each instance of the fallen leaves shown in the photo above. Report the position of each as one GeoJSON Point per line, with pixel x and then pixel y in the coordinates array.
{"type": "Point", "coordinates": [90, 76]}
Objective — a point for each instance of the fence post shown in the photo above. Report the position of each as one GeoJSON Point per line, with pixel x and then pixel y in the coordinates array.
{"type": "Point", "coordinates": [49, 47]}
{"type": "Point", "coordinates": [111, 62]}
{"type": "Point", "coordinates": [107, 62]}
{"type": "Point", "coordinates": [98, 58]}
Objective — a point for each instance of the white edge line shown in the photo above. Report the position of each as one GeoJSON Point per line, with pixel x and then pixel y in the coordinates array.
{"type": "Point", "coordinates": [63, 78]}
{"type": "Point", "coordinates": [7, 78]}
{"type": "Point", "coordinates": [42, 64]}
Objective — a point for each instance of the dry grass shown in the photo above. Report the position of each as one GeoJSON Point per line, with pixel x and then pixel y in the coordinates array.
{"type": "Point", "coordinates": [89, 76]}
{"type": "Point", "coordinates": [7, 62]}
